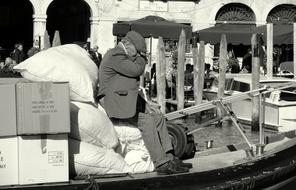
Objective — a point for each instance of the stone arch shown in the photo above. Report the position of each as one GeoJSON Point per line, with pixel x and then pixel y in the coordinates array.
{"type": "Point", "coordinates": [71, 18]}
{"type": "Point", "coordinates": [284, 13]}
{"type": "Point", "coordinates": [216, 7]}
{"type": "Point", "coordinates": [235, 12]}
{"type": "Point", "coordinates": [90, 3]}
{"type": "Point", "coordinates": [274, 4]}
{"type": "Point", "coordinates": [16, 27]}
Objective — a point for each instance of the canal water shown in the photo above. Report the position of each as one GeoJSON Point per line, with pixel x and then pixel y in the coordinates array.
{"type": "Point", "coordinates": [220, 135]}
{"type": "Point", "coordinates": [225, 135]}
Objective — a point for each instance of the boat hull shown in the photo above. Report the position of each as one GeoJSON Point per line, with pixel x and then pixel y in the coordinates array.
{"type": "Point", "coordinates": [247, 173]}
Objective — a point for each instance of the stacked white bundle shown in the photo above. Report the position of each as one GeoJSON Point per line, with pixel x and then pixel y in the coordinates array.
{"type": "Point", "coordinates": [67, 63]}
{"type": "Point", "coordinates": [92, 136]}
{"type": "Point", "coordinates": [133, 149]}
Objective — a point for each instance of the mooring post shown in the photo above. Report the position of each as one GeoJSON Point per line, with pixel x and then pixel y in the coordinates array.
{"type": "Point", "coordinates": [269, 50]}
{"type": "Point", "coordinates": [180, 71]}
{"type": "Point", "coordinates": [201, 73]}
{"type": "Point", "coordinates": [255, 81]}
{"type": "Point", "coordinates": [222, 70]}
{"type": "Point", "coordinates": [200, 77]}
{"type": "Point", "coordinates": [195, 56]}
{"type": "Point", "coordinates": [160, 75]}
{"type": "Point", "coordinates": [294, 49]}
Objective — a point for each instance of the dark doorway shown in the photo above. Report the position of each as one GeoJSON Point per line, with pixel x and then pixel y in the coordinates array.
{"type": "Point", "coordinates": [71, 18]}
{"type": "Point", "coordinates": [16, 25]}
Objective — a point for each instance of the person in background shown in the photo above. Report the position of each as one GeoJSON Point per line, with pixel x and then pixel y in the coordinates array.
{"type": "Point", "coordinates": [247, 62]}
{"type": "Point", "coordinates": [171, 76]}
{"type": "Point", "coordinates": [232, 63]}
{"type": "Point", "coordinates": [18, 54]}
{"type": "Point", "coordinates": [97, 57]}
{"type": "Point", "coordinates": [35, 49]}
{"type": "Point", "coordinates": [119, 93]}
{"type": "Point", "coordinates": [153, 89]}
{"type": "Point", "coordinates": [188, 75]}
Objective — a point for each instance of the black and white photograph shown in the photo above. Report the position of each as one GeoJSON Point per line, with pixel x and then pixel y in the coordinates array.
{"type": "Point", "coordinates": [148, 94]}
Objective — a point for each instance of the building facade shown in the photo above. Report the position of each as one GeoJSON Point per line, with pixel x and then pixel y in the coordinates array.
{"type": "Point", "coordinates": [96, 17]}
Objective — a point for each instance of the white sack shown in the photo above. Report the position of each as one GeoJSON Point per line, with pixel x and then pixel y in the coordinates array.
{"type": "Point", "coordinates": [87, 159]}
{"type": "Point", "coordinates": [63, 63]}
{"type": "Point", "coordinates": [139, 161]}
{"type": "Point", "coordinates": [133, 149]}
{"type": "Point", "coordinates": [91, 125]}
{"type": "Point", "coordinates": [128, 135]}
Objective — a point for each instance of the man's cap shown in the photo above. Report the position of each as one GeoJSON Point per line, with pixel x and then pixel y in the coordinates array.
{"type": "Point", "coordinates": [137, 40]}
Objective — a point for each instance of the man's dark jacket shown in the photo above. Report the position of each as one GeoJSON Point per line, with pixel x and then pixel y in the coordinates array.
{"type": "Point", "coordinates": [119, 82]}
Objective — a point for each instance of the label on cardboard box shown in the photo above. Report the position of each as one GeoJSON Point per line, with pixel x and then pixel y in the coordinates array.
{"type": "Point", "coordinates": [43, 108]}
{"type": "Point", "coordinates": [7, 110]}
{"type": "Point", "coordinates": [8, 161]}
{"type": "Point", "coordinates": [43, 159]}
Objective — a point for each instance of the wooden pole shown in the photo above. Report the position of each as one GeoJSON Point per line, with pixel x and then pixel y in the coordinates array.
{"type": "Point", "coordinates": [222, 70]}
{"type": "Point", "coordinates": [294, 49]}
{"type": "Point", "coordinates": [196, 63]}
{"type": "Point", "coordinates": [222, 66]}
{"type": "Point", "coordinates": [255, 81]}
{"type": "Point", "coordinates": [180, 71]}
{"type": "Point", "coordinates": [269, 43]}
{"type": "Point", "coordinates": [160, 75]}
{"type": "Point", "coordinates": [201, 73]}
{"type": "Point", "coordinates": [195, 56]}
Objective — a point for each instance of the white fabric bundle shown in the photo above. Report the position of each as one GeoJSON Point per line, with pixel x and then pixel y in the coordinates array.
{"type": "Point", "coordinates": [69, 63]}
{"type": "Point", "coordinates": [133, 149]}
{"type": "Point", "coordinates": [90, 124]}
{"type": "Point", "coordinates": [88, 159]}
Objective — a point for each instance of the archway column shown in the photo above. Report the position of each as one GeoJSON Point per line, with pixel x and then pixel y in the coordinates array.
{"type": "Point", "coordinates": [94, 29]}
{"type": "Point", "coordinates": [39, 27]}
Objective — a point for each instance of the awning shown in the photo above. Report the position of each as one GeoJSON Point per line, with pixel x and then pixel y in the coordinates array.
{"type": "Point", "coordinates": [153, 26]}
{"type": "Point", "coordinates": [242, 33]}
{"type": "Point", "coordinates": [235, 33]}
{"type": "Point", "coordinates": [282, 33]}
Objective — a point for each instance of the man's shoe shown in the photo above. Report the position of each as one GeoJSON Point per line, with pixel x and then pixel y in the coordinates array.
{"type": "Point", "coordinates": [169, 168]}
{"type": "Point", "coordinates": [181, 163]}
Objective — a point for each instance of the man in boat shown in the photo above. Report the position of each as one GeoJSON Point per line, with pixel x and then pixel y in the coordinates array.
{"type": "Point", "coordinates": [119, 75]}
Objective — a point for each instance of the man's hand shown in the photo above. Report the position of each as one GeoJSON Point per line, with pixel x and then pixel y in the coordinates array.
{"type": "Point", "coordinates": [152, 107]}
{"type": "Point", "coordinates": [144, 55]}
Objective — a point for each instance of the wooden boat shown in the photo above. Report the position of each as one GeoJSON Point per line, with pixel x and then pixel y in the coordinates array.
{"type": "Point", "coordinates": [229, 167]}
{"type": "Point", "coordinates": [226, 170]}
{"type": "Point", "coordinates": [279, 105]}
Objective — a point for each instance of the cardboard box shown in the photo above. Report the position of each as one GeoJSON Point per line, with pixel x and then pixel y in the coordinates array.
{"type": "Point", "coordinates": [43, 108]}
{"type": "Point", "coordinates": [43, 159]}
{"type": "Point", "coordinates": [7, 110]}
{"type": "Point", "coordinates": [8, 161]}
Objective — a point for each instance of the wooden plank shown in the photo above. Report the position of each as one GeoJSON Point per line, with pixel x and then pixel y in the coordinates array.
{"type": "Point", "coordinates": [255, 81]}
{"type": "Point", "coordinates": [210, 105]}
{"type": "Point", "coordinates": [160, 75]}
{"type": "Point", "coordinates": [269, 50]}
{"type": "Point", "coordinates": [180, 70]}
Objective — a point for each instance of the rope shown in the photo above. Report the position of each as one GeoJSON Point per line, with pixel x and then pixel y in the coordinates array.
{"type": "Point", "coordinates": [93, 184]}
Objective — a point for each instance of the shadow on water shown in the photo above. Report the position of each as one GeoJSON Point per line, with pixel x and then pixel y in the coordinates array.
{"type": "Point", "coordinates": [223, 135]}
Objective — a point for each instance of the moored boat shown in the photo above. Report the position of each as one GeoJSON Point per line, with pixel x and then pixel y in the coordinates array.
{"type": "Point", "coordinates": [279, 104]}
{"type": "Point", "coordinates": [227, 170]}
{"type": "Point", "coordinates": [229, 167]}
